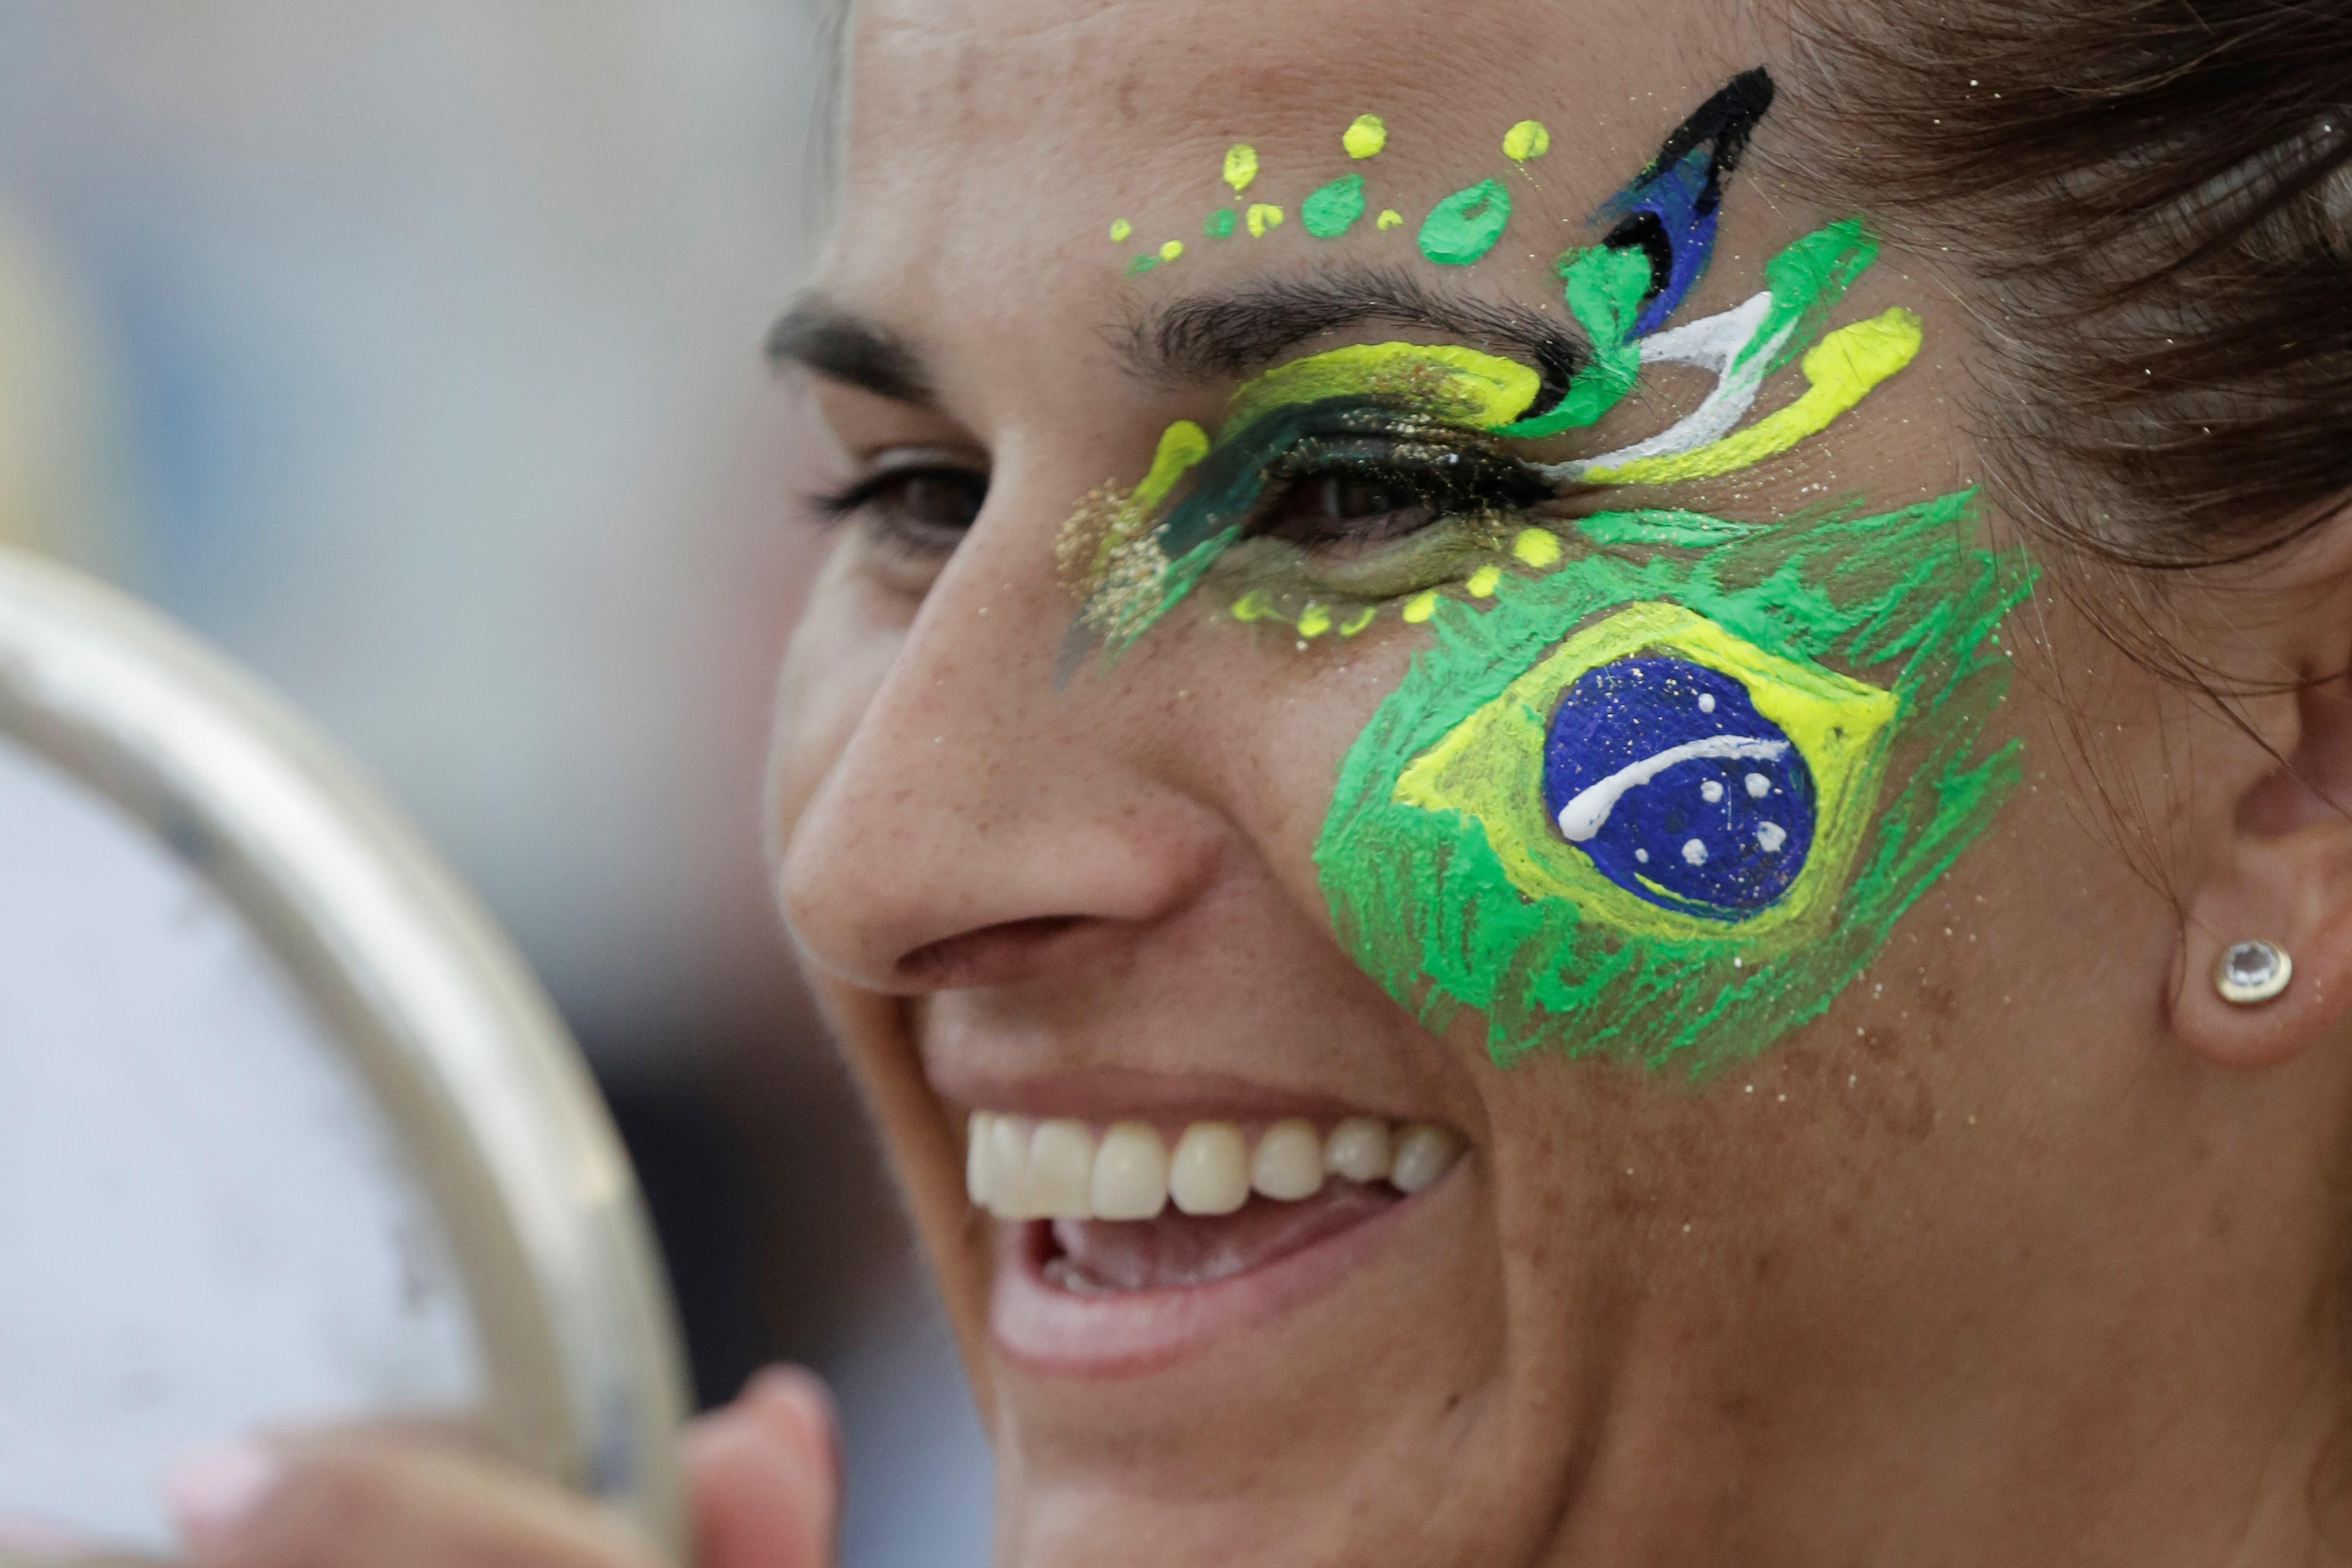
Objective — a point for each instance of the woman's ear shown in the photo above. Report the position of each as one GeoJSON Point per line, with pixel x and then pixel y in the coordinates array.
{"type": "Point", "coordinates": [2283, 877]}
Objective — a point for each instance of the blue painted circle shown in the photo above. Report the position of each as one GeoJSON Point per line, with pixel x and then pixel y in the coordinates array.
{"type": "Point", "coordinates": [1717, 836]}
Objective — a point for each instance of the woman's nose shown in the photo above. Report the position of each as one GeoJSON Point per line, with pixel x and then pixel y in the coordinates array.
{"type": "Point", "coordinates": [977, 819]}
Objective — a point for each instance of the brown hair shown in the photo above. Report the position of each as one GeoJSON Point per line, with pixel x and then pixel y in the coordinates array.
{"type": "Point", "coordinates": [2150, 203]}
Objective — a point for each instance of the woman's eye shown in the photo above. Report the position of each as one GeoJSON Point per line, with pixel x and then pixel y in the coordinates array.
{"type": "Point", "coordinates": [1332, 509]}
{"type": "Point", "coordinates": [924, 509]}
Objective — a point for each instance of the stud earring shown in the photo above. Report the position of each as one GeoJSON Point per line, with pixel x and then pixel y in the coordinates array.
{"type": "Point", "coordinates": [2251, 971]}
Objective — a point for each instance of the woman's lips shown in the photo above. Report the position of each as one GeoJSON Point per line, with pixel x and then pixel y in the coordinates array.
{"type": "Point", "coordinates": [1125, 1245]}
{"type": "Point", "coordinates": [1105, 1299]}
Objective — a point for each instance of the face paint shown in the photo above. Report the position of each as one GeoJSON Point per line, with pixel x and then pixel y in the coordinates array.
{"type": "Point", "coordinates": [1661, 788]}
{"type": "Point", "coordinates": [1328, 211]}
{"type": "Point", "coordinates": [1527, 140]}
{"type": "Point", "coordinates": [1604, 289]}
{"type": "Point", "coordinates": [1464, 226]}
{"type": "Point", "coordinates": [1241, 166]}
{"type": "Point", "coordinates": [1664, 836]}
{"type": "Point", "coordinates": [1365, 136]}
{"type": "Point", "coordinates": [1840, 372]}
{"type": "Point", "coordinates": [1668, 212]}
{"type": "Point", "coordinates": [1262, 215]}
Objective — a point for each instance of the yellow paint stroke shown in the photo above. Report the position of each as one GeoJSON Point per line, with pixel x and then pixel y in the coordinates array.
{"type": "Point", "coordinates": [1181, 444]}
{"type": "Point", "coordinates": [1527, 140]}
{"type": "Point", "coordinates": [1262, 215]}
{"type": "Point", "coordinates": [1489, 768]}
{"type": "Point", "coordinates": [1252, 606]}
{"type": "Point", "coordinates": [1420, 607]}
{"type": "Point", "coordinates": [1446, 380]}
{"type": "Point", "coordinates": [1314, 621]}
{"type": "Point", "coordinates": [1365, 136]}
{"type": "Point", "coordinates": [1537, 547]}
{"type": "Point", "coordinates": [1119, 229]}
{"type": "Point", "coordinates": [1358, 621]}
{"type": "Point", "coordinates": [1240, 166]}
{"type": "Point", "coordinates": [1390, 219]}
{"type": "Point", "coordinates": [1482, 582]}
{"type": "Point", "coordinates": [1840, 370]}
{"type": "Point", "coordinates": [1171, 250]}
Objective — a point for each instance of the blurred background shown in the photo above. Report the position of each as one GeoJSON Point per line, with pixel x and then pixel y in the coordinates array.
{"type": "Point", "coordinates": [409, 351]}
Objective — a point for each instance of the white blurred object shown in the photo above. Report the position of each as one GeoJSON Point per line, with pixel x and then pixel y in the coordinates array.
{"type": "Point", "coordinates": [207, 1225]}
{"type": "Point", "coordinates": [285, 1134]}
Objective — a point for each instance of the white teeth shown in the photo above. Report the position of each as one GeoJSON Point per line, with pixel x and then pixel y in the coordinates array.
{"type": "Point", "coordinates": [1424, 1152]}
{"type": "Point", "coordinates": [1359, 1149]}
{"type": "Point", "coordinates": [1288, 1163]}
{"type": "Point", "coordinates": [1210, 1173]}
{"type": "Point", "coordinates": [1062, 1169]}
{"type": "Point", "coordinates": [1018, 1169]}
{"type": "Point", "coordinates": [978, 1168]}
{"type": "Point", "coordinates": [1131, 1175]}
{"type": "Point", "coordinates": [1008, 1168]}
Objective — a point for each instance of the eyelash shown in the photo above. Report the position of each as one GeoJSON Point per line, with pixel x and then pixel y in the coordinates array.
{"type": "Point", "coordinates": [1447, 481]}
{"type": "Point", "coordinates": [894, 527]}
{"type": "Point", "coordinates": [1453, 482]}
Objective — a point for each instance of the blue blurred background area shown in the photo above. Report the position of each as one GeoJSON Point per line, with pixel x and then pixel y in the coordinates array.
{"type": "Point", "coordinates": [409, 351]}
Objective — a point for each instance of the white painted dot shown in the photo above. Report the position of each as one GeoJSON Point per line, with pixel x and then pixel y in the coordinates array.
{"type": "Point", "coordinates": [1643, 855]}
{"type": "Point", "coordinates": [1706, 701]}
{"type": "Point", "coordinates": [1695, 852]}
{"type": "Point", "coordinates": [1758, 786]}
{"type": "Point", "coordinates": [1710, 791]}
{"type": "Point", "coordinates": [1772, 836]}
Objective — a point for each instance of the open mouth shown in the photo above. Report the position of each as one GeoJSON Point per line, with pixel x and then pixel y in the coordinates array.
{"type": "Point", "coordinates": [1122, 1242]}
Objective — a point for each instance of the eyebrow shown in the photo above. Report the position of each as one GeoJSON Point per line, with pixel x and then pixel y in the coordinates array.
{"type": "Point", "coordinates": [1234, 331]}
{"type": "Point", "coordinates": [1221, 334]}
{"type": "Point", "coordinates": [840, 345]}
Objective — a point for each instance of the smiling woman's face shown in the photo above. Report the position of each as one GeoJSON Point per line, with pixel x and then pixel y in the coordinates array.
{"type": "Point", "coordinates": [1614, 865]}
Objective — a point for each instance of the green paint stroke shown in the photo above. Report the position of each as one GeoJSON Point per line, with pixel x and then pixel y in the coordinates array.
{"type": "Point", "coordinates": [1329, 210]}
{"type": "Point", "coordinates": [1604, 290]}
{"type": "Point", "coordinates": [1901, 600]}
{"type": "Point", "coordinates": [1219, 225]}
{"type": "Point", "coordinates": [1464, 226]}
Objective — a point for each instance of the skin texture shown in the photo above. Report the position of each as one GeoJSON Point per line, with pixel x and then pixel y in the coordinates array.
{"type": "Point", "coordinates": [2027, 1250]}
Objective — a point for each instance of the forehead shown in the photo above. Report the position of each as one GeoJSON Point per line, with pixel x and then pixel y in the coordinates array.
{"type": "Point", "coordinates": [992, 143]}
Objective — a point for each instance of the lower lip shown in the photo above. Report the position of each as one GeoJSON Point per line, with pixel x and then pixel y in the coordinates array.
{"type": "Point", "coordinates": [1045, 1330]}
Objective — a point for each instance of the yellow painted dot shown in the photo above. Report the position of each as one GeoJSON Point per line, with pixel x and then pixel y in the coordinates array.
{"type": "Point", "coordinates": [1119, 229]}
{"type": "Point", "coordinates": [1262, 215]}
{"type": "Point", "coordinates": [1537, 546]}
{"type": "Point", "coordinates": [1482, 582]}
{"type": "Point", "coordinates": [1357, 622]}
{"type": "Point", "coordinates": [1389, 217]}
{"type": "Point", "coordinates": [1314, 621]}
{"type": "Point", "coordinates": [1171, 250]}
{"type": "Point", "coordinates": [1240, 166]}
{"type": "Point", "coordinates": [1527, 140]}
{"type": "Point", "coordinates": [1366, 136]}
{"type": "Point", "coordinates": [1421, 607]}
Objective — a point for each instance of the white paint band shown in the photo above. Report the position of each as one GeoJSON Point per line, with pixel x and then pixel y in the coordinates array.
{"type": "Point", "coordinates": [1587, 812]}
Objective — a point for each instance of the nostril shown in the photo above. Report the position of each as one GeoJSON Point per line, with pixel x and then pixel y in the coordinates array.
{"type": "Point", "coordinates": [990, 954]}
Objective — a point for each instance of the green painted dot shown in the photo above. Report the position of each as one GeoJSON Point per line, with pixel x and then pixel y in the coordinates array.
{"type": "Point", "coordinates": [1144, 262]}
{"type": "Point", "coordinates": [1329, 210]}
{"type": "Point", "coordinates": [1465, 226]}
{"type": "Point", "coordinates": [1219, 225]}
